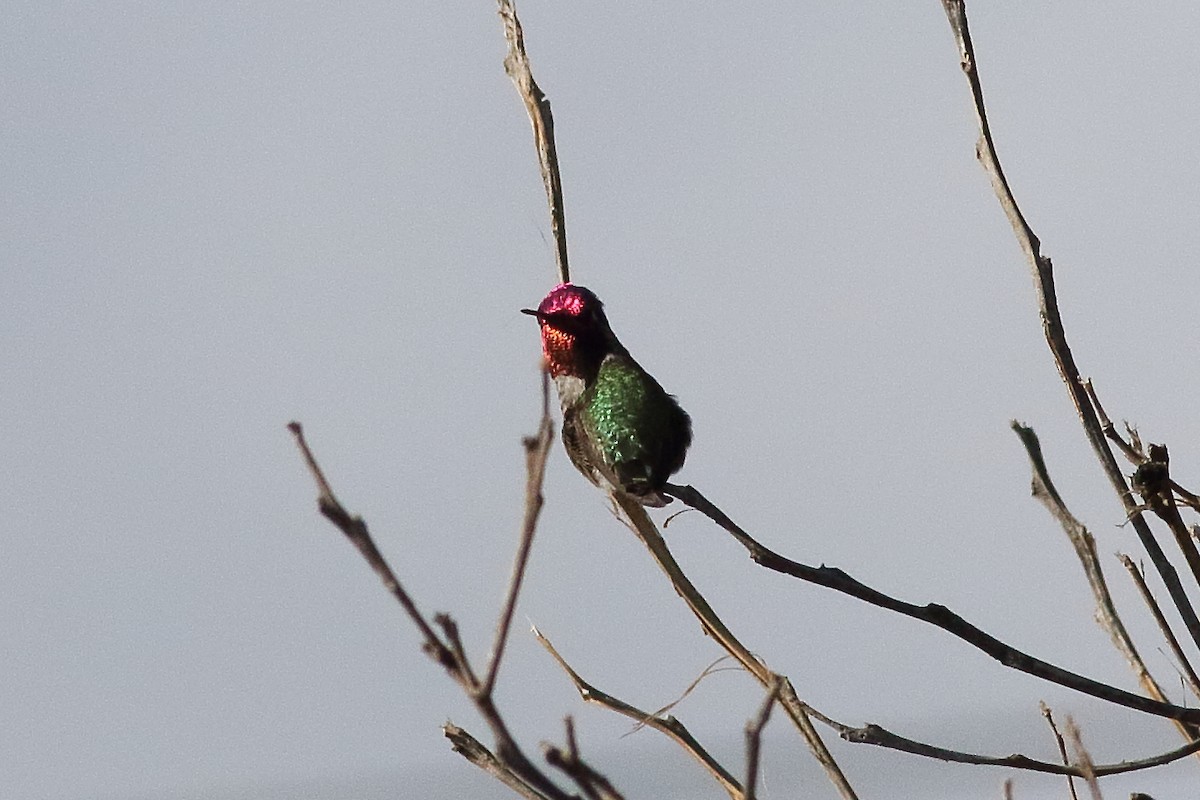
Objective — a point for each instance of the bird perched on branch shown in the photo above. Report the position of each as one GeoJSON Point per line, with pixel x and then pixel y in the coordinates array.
{"type": "Point", "coordinates": [620, 428]}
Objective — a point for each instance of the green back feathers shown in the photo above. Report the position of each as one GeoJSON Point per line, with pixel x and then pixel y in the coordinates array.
{"type": "Point", "coordinates": [641, 431]}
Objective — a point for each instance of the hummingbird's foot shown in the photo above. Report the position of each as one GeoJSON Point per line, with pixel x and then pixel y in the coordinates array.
{"type": "Point", "coordinates": [651, 499]}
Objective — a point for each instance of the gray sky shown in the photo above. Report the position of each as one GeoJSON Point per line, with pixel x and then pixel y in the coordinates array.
{"type": "Point", "coordinates": [222, 218]}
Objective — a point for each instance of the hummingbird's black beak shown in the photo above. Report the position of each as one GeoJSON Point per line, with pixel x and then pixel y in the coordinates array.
{"type": "Point", "coordinates": [531, 312]}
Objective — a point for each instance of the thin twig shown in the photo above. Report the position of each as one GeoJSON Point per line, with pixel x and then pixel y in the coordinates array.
{"type": "Point", "coordinates": [668, 725]}
{"type": "Point", "coordinates": [1152, 480]}
{"type": "Point", "coordinates": [454, 641]}
{"type": "Point", "coordinates": [754, 730]}
{"type": "Point", "coordinates": [875, 734]}
{"type": "Point", "coordinates": [639, 521]}
{"type": "Point", "coordinates": [1085, 549]}
{"type": "Point", "coordinates": [1062, 747]}
{"type": "Point", "coordinates": [882, 737]}
{"type": "Point", "coordinates": [537, 450]}
{"type": "Point", "coordinates": [1135, 455]}
{"type": "Point", "coordinates": [711, 669]}
{"type": "Point", "coordinates": [594, 785]}
{"type": "Point", "coordinates": [474, 751]}
{"type": "Point", "coordinates": [1186, 497]}
{"type": "Point", "coordinates": [450, 652]}
{"type": "Point", "coordinates": [1132, 455]}
{"type": "Point", "coordinates": [932, 613]}
{"type": "Point", "coordinates": [516, 64]}
{"type": "Point", "coordinates": [1189, 674]}
{"type": "Point", "coordinates": [1052, 326]}
{"type": "Point", "coordinates": [869, 734]}
{"type": "Point", "coordinates": [356, 531]}
{"type": "Point", "coordinates": [1083, 759]}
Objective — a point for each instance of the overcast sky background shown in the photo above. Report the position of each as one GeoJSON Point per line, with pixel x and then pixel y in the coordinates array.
{"type": "Point", "coordinates": [219, 218]}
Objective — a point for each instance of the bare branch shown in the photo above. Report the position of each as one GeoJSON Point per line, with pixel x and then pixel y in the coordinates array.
{"type": "Point", "coordinates": [1152, 480]}
{"type": "Point", "coordinates": [449, 653]}
{"type": "Point", "coordinates": [516, 64]}
{"type": "Point", "coordinates": [1062, 747]}
{"type": "Point", "coordinates": [1085, 549]}
{"type": "Point", "coordinates": [668, 725]}
{"type": "Point", "coordinates": [1190, 677]}
{"type": "Point", "coordinates": [639, 521]}
{"type": "Point", "coordinates": [474, 751]}
{"type": "Point", "coordinates": [1135, 455]}
{"type": "Point", "coordinates": [934, 614]}
{"type": "Point", "coordinates": [869, 734]}
{"type": "Point", "coordinates": [450, 631]}
{"type": "Point", "coordinates": [882, 737]}
{"type": "Point", "coordinates": [1132, 455]}
{"type": "Point", "coordinates": [1083, 759]}
{"type": "Point", "coordinates": [1052, 326]}
{"type": "Point", "coordinates": [537, 450]}
{"type": "Point", "coordinates": [356, 531]}
{"type": "Point", "coordinates": [594, 785]}
{"type": "Point", "coordinates": [1186, 497]}
{"type": "Point", "coordinates": [754, 730]}
{"type": "Point", "coordinates": [711, 669]}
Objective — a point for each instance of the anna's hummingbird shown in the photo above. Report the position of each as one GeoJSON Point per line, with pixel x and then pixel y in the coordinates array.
{"type": "Point", "coordinates": [620, 428]}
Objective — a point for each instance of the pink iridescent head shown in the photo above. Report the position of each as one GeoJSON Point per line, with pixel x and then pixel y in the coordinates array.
{"type": "Point", "coordinates": [573, 327]}
{"type": "Point", "coordinates": [567, 299]}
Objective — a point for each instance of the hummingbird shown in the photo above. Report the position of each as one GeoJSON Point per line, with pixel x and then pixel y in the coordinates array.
{"type": "Point", "coordinates": [620, 427]}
